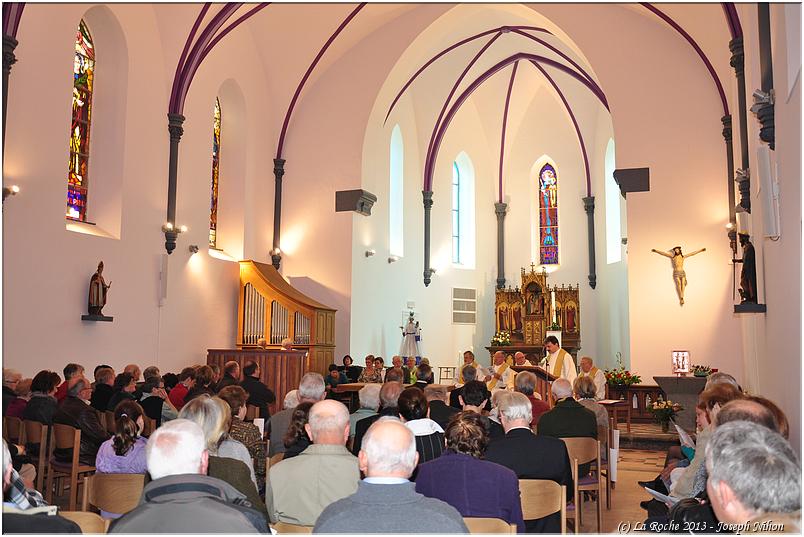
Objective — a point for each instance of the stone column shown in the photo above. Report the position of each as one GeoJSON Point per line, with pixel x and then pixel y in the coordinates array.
{"type": "Point", "coordinates": [175, 122]}
{"type": "Point", "coordinates": [279, 171]}
{"type": "Point", "coordinates": [743, 174]}
{"type": "Point", "coordinates": [589, 207]}
{"type": "Point", "coordinates": [500, 209]}
{"type": "Point", "coordinates": [427, 201]}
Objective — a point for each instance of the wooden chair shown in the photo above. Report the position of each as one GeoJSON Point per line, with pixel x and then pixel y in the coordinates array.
{"type": "Point", "coordinates": [275, 459]}
{"type": "Point", "coordinates": [582, 451]}
{"type": "Point", "coordinates": [88, 522]}
{"type": "Point", "coordinates": [284, 527]}
{"type": "Point", "coordinates": [604, 436]}
{"type": "Point", "coordinates": [66, 437]}
{"type": "Point", "coordinates": [252, 412]}
{"type": "Point", "coordinates": [13, 431]}
{"type": "Point", "coordinates": [109, 416]}
{"type": "Point", "coordinates": [488, 525]}
{"type": "Point", "coordinates": [149, 426]}
{"type": "Point", "coordinates": [543, 497]}
{"type": "Point", "coordinates": [113, 493]}
{"type": "Point", "coordinates": [37, 433]}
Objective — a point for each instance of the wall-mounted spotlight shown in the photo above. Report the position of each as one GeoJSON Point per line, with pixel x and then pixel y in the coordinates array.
{"type": "Point", "coordinates": [10, 191]}
{"type": "Point", "coordinates": [370, 253]}
{"type": "Point", "coordinates": [193, 248]}
{"type": "Point", "coordinates": [393, 258]}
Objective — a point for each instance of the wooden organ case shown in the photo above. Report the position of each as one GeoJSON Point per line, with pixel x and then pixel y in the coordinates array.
{"type": "Point", "coordinates": [270, 309]}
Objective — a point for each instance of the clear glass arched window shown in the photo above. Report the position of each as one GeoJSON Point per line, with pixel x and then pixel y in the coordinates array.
{"type": "Point", "coordinates": [463, 212]}
{"type": "Point", "coordinates": [83, 84]}
{"type": "Point", "coordinates": [396, 195]}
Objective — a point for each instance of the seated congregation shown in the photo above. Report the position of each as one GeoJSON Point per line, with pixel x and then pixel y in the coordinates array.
{"type": "Point", "coordinates": [410, 459]}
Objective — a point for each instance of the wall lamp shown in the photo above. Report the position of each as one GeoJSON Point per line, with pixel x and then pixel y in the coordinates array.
{"type": "Point", "coordinates": [10, 191]}
{"type": "Point", "coordinates": [193, 248]}
{"type": "Point", "coordinates": [370, 253]}
{"type": "Point", "coordinates": [393, 259]}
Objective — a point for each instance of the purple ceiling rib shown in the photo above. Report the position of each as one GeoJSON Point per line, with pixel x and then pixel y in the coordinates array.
{"type": "Point", "coordinates": [12, 14]}
{"type": "Point", "coordinates": [184, 52]}
{"type": "Point", "coordinates": [231, 27]}
{"type": "Point", "coordinates": [194, 59]}
{"type": "Point", "coordinates": [698, 50]}
{"type": "Point", "coordinates": [732, 19]}
{"type": "Point", "coordinates": [429, 162]}
{"type": "Point", "coordinates": [598, 89]}
{"type": "Point", "coordinates": [502, 29]}
{"type": "Point", "coordinates": [504, 125]}
{"type": "Point", "coordinates": [307, 75]}
{"type": "Point", "coordinates": [458, 83]}
{"type": "Point", "coordinates": [575, 123]}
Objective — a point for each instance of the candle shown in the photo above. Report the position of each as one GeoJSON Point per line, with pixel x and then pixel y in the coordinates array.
{"type": "Point", "coordinates": [553, 304]}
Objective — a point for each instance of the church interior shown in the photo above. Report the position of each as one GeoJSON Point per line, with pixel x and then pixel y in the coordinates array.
{"type": "Point", "coordinates": [501, 171]}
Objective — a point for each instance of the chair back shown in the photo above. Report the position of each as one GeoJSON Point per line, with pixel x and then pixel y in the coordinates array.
{"type": "Point", "coordinates": [12, 430]}
{"type": "Point", "coordinates": [66, 437]}
{"type": "Point", "coordinates": [583, 449]}
{"type": "Point", "coordinates": [275, 459]}
{"type": "Point", "coordinates": [36, 433]}
{"type": "Point", "coordinates": [252, 412]}
{"type": "Point", "coordinates": [542, 497]}
{"type": "Point", "coordinates": [149, 425]}
{"type": "Point", "coordinates": [109, 415]}
{"type": "Point", "coordinates": [284, 527]}
{"type": "Point", "coordinates": [88, 522]}
{"type": "Point", "coordinates": [488, 525]}
{"type": "Point", "coordinates": [603, 436]}
{"type": "Point", "coordinates": [114, 493]}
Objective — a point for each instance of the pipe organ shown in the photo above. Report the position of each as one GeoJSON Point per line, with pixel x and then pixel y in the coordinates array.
{"type": "Point", "coordinates": [270, 308]}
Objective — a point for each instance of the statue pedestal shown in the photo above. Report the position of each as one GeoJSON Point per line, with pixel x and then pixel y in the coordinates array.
{"type": "Point", "coordinates": [684, 391]}
{"type": "Point", "coordinates": [96, 318]}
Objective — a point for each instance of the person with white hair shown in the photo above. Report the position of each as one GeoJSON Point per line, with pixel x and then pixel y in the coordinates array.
{"type": "Point", "coordinates": [386, 501]}
{"type": "Point", "coordinates": [299, 488]}
{"type": "Point", "coordinates": [311, 389]}
{"type": "Point", "coordinates": [754, 479]}
{"type": "Point", "coordinates": [588, 369]}
{"type": "Point", "coordinates": [568, 418]}
{"type": "Point", "coordinates": [515, 451]}
{"type": "Point", "coordinates": [369, 396]}
{"type": "Point", "coordinates": [11, 378]}
{"type": "Point", "coordinates": [502, 376]}
{"type": "Point", "coordinates": [719, 377]}
{"type": "Point", "coordinates": [182, 498]}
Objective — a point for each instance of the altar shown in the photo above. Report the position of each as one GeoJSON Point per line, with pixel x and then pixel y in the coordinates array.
{"type": "Point", "coordinates": [533, 308]}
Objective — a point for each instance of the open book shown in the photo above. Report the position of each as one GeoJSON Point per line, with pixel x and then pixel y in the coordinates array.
{"type": "Point", "coordinates": [684, 436]}
{"type": "Point", "coordinates": [664, 498]}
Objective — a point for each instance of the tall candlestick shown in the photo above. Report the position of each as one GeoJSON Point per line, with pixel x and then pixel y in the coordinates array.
{"type": "Point", "coordinates": [553, 304]}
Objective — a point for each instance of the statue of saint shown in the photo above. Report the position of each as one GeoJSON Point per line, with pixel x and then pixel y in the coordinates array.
{"type": "Point", "coordinates": [677, 260]}
{"type": "Point", "coordinates": [748, 276]}
{"type": "Point", "coordinates": [570, 322]}
{"type": "Point", "coordinates": [97, 291]}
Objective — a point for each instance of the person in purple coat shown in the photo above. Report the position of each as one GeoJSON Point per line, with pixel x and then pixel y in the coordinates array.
{"type": "Point", "coordinates": [461, 478]}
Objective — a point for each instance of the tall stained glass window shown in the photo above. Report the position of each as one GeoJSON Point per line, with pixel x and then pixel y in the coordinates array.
{"type": "Point", "coordinates": [216, 158]}
{"type": "Point", "coordinates": [548, 215]}
{"type": "Point", "coordinates": [456, 214]}
{"type": "Point", "coordinates": [83, 82]}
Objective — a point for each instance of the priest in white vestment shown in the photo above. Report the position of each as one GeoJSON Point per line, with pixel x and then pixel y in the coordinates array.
{"type": "Point", "coordinates": [559, 362]}
{"type": "Point", "coordinates": [588, 369]}
{"type": "Point", "coordinates": [501, 373]}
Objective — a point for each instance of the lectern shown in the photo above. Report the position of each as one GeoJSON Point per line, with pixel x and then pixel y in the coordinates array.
{"type": "Point", "coordinates": [543, 380]}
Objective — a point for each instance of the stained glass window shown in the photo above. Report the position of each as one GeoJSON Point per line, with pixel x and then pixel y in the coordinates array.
{"type": "Point", "coordinates": [548, 215]}
{"type": "Point", "coordinates": [456, 213]}
{"type": "Point", "coordinates": [216, 158]}
{"type": "Point", "coordinates": [78, 168]}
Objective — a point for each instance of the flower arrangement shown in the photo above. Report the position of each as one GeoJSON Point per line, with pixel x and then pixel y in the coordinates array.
{"type": "Point", "coordinates": [501, 339]}
{"type": "Point", "coordinates": [621, 376]}
{"type": "Point", "coordinates": [701, 370]}
{"type": "Point", "coordinates": [664, 411]}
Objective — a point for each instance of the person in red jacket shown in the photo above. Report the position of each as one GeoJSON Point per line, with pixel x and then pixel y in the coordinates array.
{"type": "Point", "coordinates": [71, 371]}
{"type": "Point", "coordinates": [525, 383]}
{"type": "Point", "coordinates": [180, 390]}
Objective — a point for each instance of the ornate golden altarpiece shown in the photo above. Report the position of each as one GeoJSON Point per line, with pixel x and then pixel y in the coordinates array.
{"type": "Point", "coordinates": [527, 313]}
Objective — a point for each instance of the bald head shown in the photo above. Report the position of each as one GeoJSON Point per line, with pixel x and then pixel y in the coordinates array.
{"type": "Point", "coordinates": [747, 410]}
{"type": "Point", "coordinates": [388, 450]}
{"type": "Point", "coordinates": [499, 357]}
{"type": "Point", "coordinates": [328, 423]}
{"type": "Point", "coordinates": [561, 388]}
{"type": "Point", "coordinates": [519, 358]}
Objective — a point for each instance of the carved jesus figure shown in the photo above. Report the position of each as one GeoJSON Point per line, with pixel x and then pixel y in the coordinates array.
{"type": "Point", "coordinates": [677, 260]}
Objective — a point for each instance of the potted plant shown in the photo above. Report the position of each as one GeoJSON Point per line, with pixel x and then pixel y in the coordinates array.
{"type": "Point", "coordinates": [664, 411]}
{"type": "Point", "coordinates": [701, 370]}
{"type": "Point", "coordinates": [501, 339]}
{"type": "Point", "coordinates": [621, 378]}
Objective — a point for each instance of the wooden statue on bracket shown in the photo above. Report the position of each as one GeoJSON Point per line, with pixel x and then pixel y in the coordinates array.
{"type": "Point", "coordinates": [679, 276]}
{"type": "Point", "coordinates": [98, 289]}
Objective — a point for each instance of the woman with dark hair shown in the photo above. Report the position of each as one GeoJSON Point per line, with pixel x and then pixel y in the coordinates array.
{"type": "Point", "coordinates": [124, 387]}
{"type": "Point", "coordinates": [124, 453]}
{"type": "Point", "coordinates": [204, 383]}
{"type": "Point", "coordinates": [170, 380]}
{"type": "Point", "coordinates": [351, 371]}
{"type": "Point", "coordinates": [429, 435]}
{"type": "Point", "coordinates": [296, 439]}
{"type": "Point", "coordinates": [371, 373]}
{"type": "Point", "coordinates": [494, 488]}
{"type": "Point", "coordinates": [43, 404]}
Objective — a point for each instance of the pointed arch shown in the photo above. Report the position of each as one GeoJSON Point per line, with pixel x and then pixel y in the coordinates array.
{"type": "Point", "coordinates": [216, 156]}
